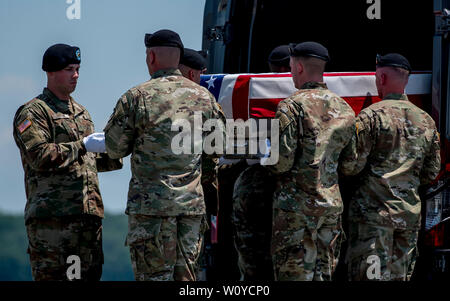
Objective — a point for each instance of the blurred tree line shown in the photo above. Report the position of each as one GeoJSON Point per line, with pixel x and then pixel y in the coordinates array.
{"type": "Point", "coordinates": [14, 260]}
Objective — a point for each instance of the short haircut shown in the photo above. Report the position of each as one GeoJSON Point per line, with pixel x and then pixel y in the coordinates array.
{"type": "Point", "coordinates": [167, 56]}
{"type": "Point", "coordinates": [403, 73]}
{"type": "Point", "coordinates": [397, 74]}
{"type": "Point", "coordinates": [312, 65]}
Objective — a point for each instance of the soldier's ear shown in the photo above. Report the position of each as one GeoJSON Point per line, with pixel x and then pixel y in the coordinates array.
{"type": "Point", "coordinates": [406, 80]}
{"type": "Point", "coordinates": [50, 75]}
{"type": "Point", "coordinates": [151, 56]}
{"type": "Point", "coordinates": [300, 67]}
{"type": "Point", "coordinates": [191, 74]}
{"type": "Point", "coordinates": [383, 78]}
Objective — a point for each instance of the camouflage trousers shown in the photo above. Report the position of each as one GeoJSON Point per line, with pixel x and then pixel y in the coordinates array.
{"type": "Point", "coordinates": [252, 222]}
{"type": "Point", "coordinates": [305, 248]}
{"type": "Point", "coordinates": [381, 253]}
{"type": "Point", "coordinates": [53, 240]}
{"type": "Point", "coordinates": [165, 248]}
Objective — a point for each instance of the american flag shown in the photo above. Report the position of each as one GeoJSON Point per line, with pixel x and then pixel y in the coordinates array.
{"type": "Point", "coordinates": [247, 96]}
{"type": "Point", "coordinates": [244, 96]}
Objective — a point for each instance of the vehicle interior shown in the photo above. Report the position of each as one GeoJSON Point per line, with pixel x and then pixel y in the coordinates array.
{"type": "Point", "coordinates": [253, 28]}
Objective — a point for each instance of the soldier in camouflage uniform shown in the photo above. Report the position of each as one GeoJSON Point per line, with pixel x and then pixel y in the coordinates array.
{"type": "Point", "coordinates": [315, 126]}
{"type": "Point", "coordinates": [252, 204]}
{"type": "Point", "coordinates": [165, 205]}
{"type": "Point", "coordinates": [252, 222]}
{"type": "Point", "coordinates": [279, 59]}
{"type": "Point", "coordinates": [395, 149]}
{"type": "Point", "coordinates": [64, 207]}
{"type": "Point", "coordinates": [192, 65]}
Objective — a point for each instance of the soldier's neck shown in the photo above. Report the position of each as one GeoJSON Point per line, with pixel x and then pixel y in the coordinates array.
{"type": "Point", "coordinates": [393, 91]}
{"type": "Point", "coordinates": [311, 79]}
{"type": "Point", "coordinates": [61, 96]}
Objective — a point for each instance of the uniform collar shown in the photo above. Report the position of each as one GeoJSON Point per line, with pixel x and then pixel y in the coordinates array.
{"type": "Point", "coordinates": [166, 72]}
{"type": "Point", "coordinates": [396, 96]}
{"type": "Point", "coordinates": [62, 105]}
{"type": "Point", "coordinates": [314, 85]}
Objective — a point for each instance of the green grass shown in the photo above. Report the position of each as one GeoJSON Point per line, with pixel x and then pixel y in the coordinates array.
{"type": "Point", "coordinates": [14, 260]}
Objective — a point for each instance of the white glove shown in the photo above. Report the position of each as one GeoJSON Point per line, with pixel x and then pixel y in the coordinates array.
{"type": "Point", "coordinates": [265, 158]}
{"type": "Point", "coordinates": [95, 143]}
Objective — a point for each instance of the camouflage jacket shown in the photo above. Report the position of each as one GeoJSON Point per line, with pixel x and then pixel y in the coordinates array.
{"type": "Point", "coordinates": [395, 149]}
{"type": "Point", "coordinates": [209, 170]}
{"type": "Point", "coordinates": [315, 126]}
{"type": "Point", "coordinates": [60, 176]}
{"type": "Point", "coordinates": [163, 183]}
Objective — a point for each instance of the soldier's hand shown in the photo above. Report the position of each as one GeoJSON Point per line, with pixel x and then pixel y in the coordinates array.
{"type": "Point", "coordinates": [95, 143]}
{"type": "Point", "coordinates": [266, 155]}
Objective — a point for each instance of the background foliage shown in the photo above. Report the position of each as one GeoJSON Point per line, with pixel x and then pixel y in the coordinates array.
{"type": "Point", "coordinates": [14, 260]}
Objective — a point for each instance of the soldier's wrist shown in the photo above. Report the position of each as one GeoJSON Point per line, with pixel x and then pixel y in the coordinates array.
{"type": "Point", "coordinates": [82, 150]}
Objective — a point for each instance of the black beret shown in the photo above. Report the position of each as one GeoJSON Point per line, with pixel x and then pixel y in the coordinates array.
{"type": "Point", "coordinates": [164, 37]}
{"type": "Point", "coordinates": [58, 56]}
{"type": "Point", "coordinates": [280, 55]}
{"type": "Point", "coordinates": [393, 60]}
{"type": "Point", "coordinates": [312, 49]}
{"type": "Point", "coordinates": [193, 59]}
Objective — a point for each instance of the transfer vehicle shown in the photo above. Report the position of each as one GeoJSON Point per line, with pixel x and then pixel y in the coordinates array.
{"type": "Point", "coordinates": [238, 36]}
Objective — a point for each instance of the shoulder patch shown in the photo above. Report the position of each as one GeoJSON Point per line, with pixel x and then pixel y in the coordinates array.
{"type": "Point", "coordinates": [359, 126]}
{"type": "Point", "coordinates": [285, 114]}
{"type": "Point", "coordinates": [24, 125]}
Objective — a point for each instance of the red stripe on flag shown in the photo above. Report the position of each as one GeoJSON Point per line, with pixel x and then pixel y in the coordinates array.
{"type": "Point", "coordinates": [263, 108]}
{"type": "Point", "coordinates": [241, 93]}
{"type": "Point", "coordinates": [369, 73]}
{"type": "Point", "coordinates": [361, 102]}
{"type": "Point", "coordinates": [266, 107]}
{"type": "Point", "coordinates": [420, 100]}
{"type": "Point", "coordinates": [240, 97]}
{"type": "Point", "coordinates": [349, 74]}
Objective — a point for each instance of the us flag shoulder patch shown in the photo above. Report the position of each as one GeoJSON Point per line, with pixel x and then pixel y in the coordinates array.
{"type": "Point", "coordinates": [24, 125]}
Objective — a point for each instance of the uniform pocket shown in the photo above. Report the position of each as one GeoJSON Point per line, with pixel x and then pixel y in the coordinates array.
{"type": "Point", "coordinates": [152, 245]}
{"type": "Point", "coordinates": [85, 125]}
{"type": "Point", "coordinates": [64, 128]}
{"type": "Point", "coordinates": [141, 228]}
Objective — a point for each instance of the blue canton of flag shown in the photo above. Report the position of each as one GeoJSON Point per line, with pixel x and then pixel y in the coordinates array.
{"type": "Point", "coordinates": [213, 83]}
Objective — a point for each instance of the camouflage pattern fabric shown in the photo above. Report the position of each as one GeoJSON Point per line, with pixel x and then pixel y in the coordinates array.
{"type": "Point", "coordinates": [305, 248]}
{"type": "Point", "coordinates": [209, 181]}
{"type": "Point", "coordinates": [210, 185]}
{"type": "Point", "coordinates": [315, 126]}
{"type": "Point", "coordinates": [225, 257]}
{"type": "Point", "coordinates": [165, 248]}
{"type": "Point", "coordinates": [252, 222]}
{"type": "Point", "coordinates": [163, 183]}
{"type": "Point", "coordinates": [53, 240]}
{"type": "Point", "coordinates": [60, 177]}
{"type": "Point", "coordinates": [209, 171]}
{"type": "Point", "coordinates": [396, 251]}
{"type": "Point", "coordinates": [395, 149]}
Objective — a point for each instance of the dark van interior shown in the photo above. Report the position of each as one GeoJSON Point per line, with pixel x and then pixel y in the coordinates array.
{"type": "Point", "coordinates": [254, 28]}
